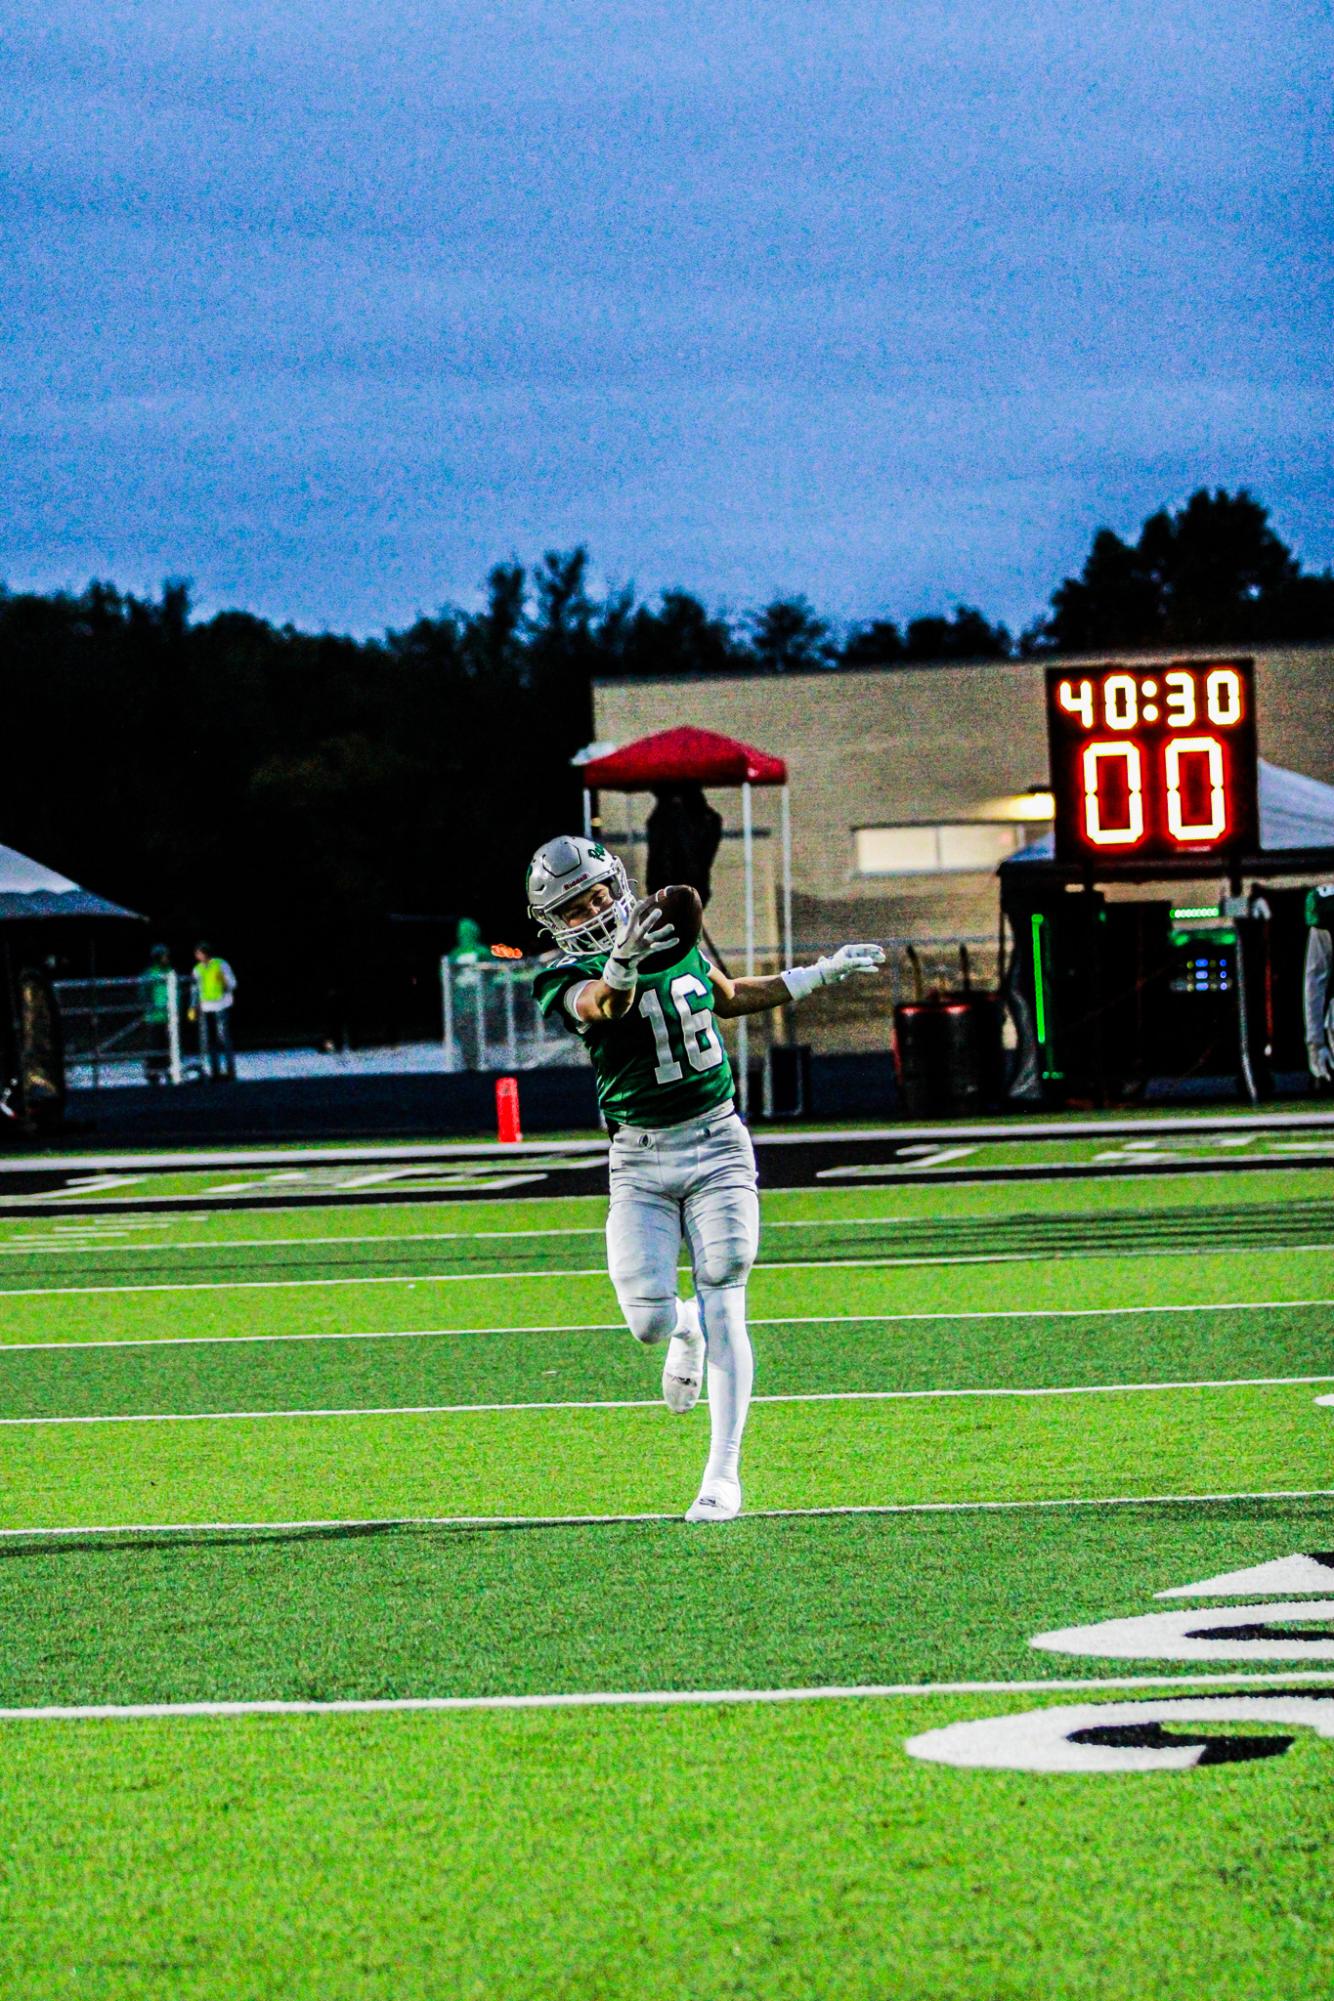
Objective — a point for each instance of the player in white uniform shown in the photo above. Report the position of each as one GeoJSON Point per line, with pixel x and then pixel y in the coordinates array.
{"type": "Point", "coordinates": [681, 1160]}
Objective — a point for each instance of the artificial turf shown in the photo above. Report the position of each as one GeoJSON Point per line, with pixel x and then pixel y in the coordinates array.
{"type": "Point", "coordinates": [580, 1294]}
{"type": "Point", "coordinates": [788, 1603]}
{"type": "Point", "coordinates": [547, 1364]}
{"type": "Point", "coordinates": [789, 1854]}
{"type": "Point", "coordinates": [1179, 1229]}
{"type": "Point", "coordinates": [768, 1854]}
{"type": "Point", "coordinates": [591, 1461]}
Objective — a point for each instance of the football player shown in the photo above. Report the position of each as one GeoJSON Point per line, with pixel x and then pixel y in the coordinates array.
{"type": "Point", "coordinates": [1318, 984]}
{"type": "Point", "coordinates": [646, 1006]}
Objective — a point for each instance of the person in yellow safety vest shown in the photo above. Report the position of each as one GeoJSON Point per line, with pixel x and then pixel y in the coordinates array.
{"type": "Point", "coordinates": [212, 988]}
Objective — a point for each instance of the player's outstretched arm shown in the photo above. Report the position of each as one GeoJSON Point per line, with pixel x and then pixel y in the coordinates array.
{"type": "Point", "coordinates": [753, 996]}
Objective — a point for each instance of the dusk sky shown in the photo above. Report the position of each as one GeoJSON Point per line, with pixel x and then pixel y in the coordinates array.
{"type": "Point", "coordinates": [329, 307]}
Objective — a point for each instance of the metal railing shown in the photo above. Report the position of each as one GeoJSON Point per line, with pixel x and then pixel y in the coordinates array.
{"type": "Point", "coordinates": [490, 1019]}
{"type": "Point", "coordinates": [123, 1023]}
{"type": "Point", "coordinates": [119, 1031]}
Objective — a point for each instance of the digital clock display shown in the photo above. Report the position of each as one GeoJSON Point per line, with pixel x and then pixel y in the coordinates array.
{"type": "Point", "coordinates": [1153, 763]}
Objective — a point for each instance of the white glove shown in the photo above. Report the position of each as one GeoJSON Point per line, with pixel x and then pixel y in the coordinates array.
{"type": "Point", "coordinates": [1320, 1058]}
{"type": "Point", "coordinates": [644, 931]}
{"type": "Point", "coordinates": [849, 959]}
{"type": "Point", "coordinates": [839, 966]}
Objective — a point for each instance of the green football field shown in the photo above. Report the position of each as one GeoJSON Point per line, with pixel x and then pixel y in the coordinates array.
{"type": "Point", "coordinates": [354, 1644]}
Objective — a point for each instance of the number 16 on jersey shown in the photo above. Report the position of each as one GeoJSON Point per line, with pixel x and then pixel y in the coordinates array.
{"type": "Point", "coordinates": [703, 1051]}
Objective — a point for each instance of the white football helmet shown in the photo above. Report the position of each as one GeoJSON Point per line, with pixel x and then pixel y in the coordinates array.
{"type": "Point", "coordinates": [565, 868]}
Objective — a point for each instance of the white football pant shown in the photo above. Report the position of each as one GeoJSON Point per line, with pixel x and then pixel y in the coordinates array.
{"type": "Point", "coordinates": [697, 1178]}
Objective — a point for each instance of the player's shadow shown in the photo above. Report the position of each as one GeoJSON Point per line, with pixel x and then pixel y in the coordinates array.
{"type": "Point", "coordinates": [111, 1544]}
{"type": "Point", "coordinates": [218, 1539]}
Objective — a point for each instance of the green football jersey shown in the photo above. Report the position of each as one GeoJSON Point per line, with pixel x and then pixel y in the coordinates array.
{"type": "Point", "coordinates": [664, 1061]}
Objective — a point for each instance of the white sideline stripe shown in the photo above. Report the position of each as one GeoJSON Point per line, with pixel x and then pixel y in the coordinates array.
{"type": "Point", "coordinates": [618, 1327]}
{"type": "Point", "coordinates": [485, 1522]}
{"type": "Point", "coordinates": [661, 1698]}
{"type": "Point", "coordinates": [1043, 1256]}
{"type": "Point", "coordinates": [653, 1403]}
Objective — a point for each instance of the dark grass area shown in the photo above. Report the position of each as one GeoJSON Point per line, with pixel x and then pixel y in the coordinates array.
{"type": "Point", "coordinates": [1206, 1225]}
{"type": "Point", "coordinates": [773, 1603]}
{"type": "Point", "coordinates": [560, 1364]}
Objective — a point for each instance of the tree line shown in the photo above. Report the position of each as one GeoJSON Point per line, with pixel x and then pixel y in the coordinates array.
{"type": "Point", "coordinates": [324, 808]}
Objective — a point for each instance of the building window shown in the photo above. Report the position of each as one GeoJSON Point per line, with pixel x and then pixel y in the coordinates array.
{"type": "Point", "coordinates": [959, 846]}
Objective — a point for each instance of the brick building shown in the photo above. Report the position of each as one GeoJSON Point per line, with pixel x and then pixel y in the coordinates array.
{"type": "Point", "coordinates": [908, 787]}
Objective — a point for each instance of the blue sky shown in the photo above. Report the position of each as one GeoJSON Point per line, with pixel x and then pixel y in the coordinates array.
{"type": "Point", "coordinates": [328, 307]}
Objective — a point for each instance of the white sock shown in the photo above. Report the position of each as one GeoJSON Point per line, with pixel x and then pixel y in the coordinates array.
{"type": "Point", "coordinates": [731, 1373]}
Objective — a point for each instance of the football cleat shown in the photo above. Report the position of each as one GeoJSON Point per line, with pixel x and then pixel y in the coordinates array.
{"type": "Point", "coordinates": [717, 1501]}
{"type": "Point", "coordinates": [683, 1370]}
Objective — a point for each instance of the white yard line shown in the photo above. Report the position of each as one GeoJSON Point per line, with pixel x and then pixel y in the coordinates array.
{"type": "Point", "coordinates": [618, 1327]}
{"type": "Point", "coordinates": [1043, 1256]}
{"type": "Point", "coordinates": [484, 1523]}
{"type": "Point", "coordinates": [12, 1247]}
{"type": "Point", "coordinates": [663, 1698]}
{"type": "Point", "coordinates": [294, 1284]}
{"type": "Point", "coordinates": [68, 1247]}
{"type": "Point", "coordinates": [654, 1403]}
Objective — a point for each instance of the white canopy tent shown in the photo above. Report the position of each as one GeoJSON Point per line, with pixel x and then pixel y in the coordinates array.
{"type": "Point", "coordinates": [30, 890]}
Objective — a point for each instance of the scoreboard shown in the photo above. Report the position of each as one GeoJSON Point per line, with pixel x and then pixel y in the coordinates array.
{"type": "Point", "coordinates": [1153, 763]}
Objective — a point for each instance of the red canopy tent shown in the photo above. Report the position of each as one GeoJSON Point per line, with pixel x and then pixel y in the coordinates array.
{"type": "Point", "coordinates": [674, 757]}
{"type": "Point", "coordinates": [683, 755]}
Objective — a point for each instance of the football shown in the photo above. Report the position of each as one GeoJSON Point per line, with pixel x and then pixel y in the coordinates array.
{"type": "Point", "coordinates": [682, 909]}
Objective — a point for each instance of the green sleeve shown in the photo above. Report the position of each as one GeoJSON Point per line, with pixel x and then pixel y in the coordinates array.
{"type": "Point", "coordinates": [552, 983]}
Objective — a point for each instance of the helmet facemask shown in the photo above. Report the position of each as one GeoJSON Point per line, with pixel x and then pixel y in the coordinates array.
{"type": "Point", "coordinates": [561, 873]}
{"type": "Point", "coordinates": [598, 932]}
